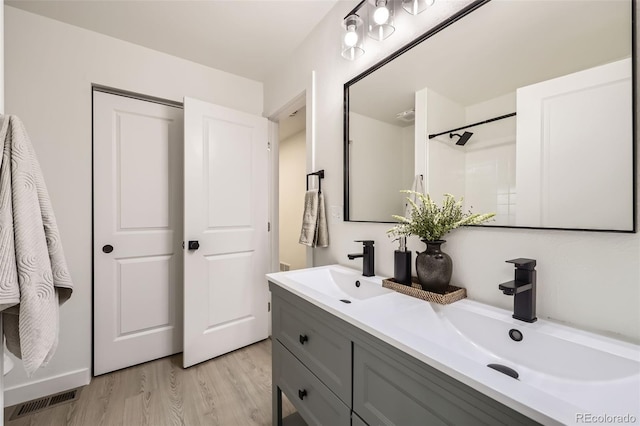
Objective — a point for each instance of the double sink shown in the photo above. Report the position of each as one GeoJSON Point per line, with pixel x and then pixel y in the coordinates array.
{"type": "Point", "coordinates": [547, 370]}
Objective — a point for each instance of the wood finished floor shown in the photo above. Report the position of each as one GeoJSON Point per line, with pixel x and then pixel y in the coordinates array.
{"type": "Point", "coordinates": [233, 389]}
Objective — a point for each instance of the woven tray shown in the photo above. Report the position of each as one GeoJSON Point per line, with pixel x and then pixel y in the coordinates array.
{"type": "Point", "coordinates": [453, 293]}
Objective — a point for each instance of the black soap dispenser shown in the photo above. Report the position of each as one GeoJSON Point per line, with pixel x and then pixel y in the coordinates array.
{"type": "Point", "coordinates": [402, 263]}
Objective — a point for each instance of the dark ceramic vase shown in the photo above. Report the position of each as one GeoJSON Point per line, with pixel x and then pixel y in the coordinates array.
{"type": "Point", "coordinates": [434, 267]}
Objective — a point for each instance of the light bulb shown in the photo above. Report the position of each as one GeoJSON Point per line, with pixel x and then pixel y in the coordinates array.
{"type": "Point", "coordinates": [381, 15]}
{"type": "Point", "coordinates": [351, 37]}
{"type": "Point", "coordinates": [413, 7]}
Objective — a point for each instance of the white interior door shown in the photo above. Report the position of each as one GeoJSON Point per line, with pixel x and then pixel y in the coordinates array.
{"type": "Point", "coordinates": [555, 178]}
{"type": "Point", "coordinates": [226, 193]}
{"type": "Point", "coordinates": [137, 162]}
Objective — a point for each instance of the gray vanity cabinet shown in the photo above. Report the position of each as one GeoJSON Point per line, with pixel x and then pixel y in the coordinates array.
{"type": "Point", "coordinates": [357, 421]}
{"type": "Point", "coordinates": [313, 399]}
{"type": "Point", "coordinates": [337, 374]}
{"type": "Point", "coordinates": [324, 350]}
{"type": "Point", "coordinates": [387, 390]}
{"type": "Point", "coordinates": [311, 362]}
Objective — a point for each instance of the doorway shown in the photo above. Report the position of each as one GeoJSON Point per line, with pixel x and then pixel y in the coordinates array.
{"type": "Point", "coordinates": [292, 187]}
{"type": "Point", "coordinates": [180, 237]}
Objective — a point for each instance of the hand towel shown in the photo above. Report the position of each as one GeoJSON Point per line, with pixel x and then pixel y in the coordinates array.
{"type": "Point", "coordinates": [33, 270]}
{"type": "Point", "coordinates": [322, 234]}
{"type": "Point", "coordinates": [314, 231]}
{"type": "Point", "coordinates": [418, 186]}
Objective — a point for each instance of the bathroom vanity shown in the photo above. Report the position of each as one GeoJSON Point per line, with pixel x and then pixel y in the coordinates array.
{"type": "Point", "coordinates": [319, 360]}
{"type": "Point", "coordinates": [347, 351]}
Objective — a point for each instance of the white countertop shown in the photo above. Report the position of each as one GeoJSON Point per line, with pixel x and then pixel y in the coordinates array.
{"type": "Point", "coordinates": [421, 335]}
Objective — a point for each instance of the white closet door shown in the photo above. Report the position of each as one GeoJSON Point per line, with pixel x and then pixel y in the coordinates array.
{"type": "Point", "coordinates": [560, 183]}
{"type": "Point", "coordinates": [226, 192]}
{"type": "Point", "coordinates": [137, 162]}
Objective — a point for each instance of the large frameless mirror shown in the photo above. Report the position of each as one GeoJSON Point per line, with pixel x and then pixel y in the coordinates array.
{"type": "Point", "coordinates": [525, 108]}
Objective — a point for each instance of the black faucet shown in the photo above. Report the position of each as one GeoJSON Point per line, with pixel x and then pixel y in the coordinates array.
{"type": "Point", "coordinates": [523, 289]}
{"type": "Point", "coordinates": [367, 256]}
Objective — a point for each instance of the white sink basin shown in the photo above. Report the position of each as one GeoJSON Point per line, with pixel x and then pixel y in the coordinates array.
{"type": "Point", "coordinates": [573, 365]}
{"type": "Point", "coordinates": [543, 348]}
{"type": "Point", "coordinates": [339, 283]}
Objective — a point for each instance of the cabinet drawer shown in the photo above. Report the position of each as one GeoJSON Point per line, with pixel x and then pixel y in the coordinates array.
{"type": "Point", "coordinates": [387, 392]}
{"type": "Point", "coordinates": [325, 351]}
{"type": "Point", "coordinates": [314, 401]}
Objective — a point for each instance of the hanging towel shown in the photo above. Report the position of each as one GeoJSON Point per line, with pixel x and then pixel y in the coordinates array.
{"type": "Point", "coordinates": [322, 235]}
{"type": "Point", "coordinates": [418, 186]}
{"type": "Point", "coordinates": [314, 231]}
{"type": "Point", "coordinates": [33, 270]}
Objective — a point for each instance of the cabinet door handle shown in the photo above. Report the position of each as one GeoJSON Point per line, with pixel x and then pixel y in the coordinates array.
{"type": "Point", "coordinates": [302, 393]}
{"type": "Point", "coordinates": [303, 338]}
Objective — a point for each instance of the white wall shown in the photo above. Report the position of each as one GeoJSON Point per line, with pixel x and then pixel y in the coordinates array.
{"type": "Point", "coordinates": [445, 160]}
{"type": "Point", "coordinates": [490, 181]}
{"type": "Point", "coordinates": [483, 170]}
{"type": "Point", "coordinates": [590, 280]}
{"type": "Point", "coordinates": [409, 173]}
{"type": "Point", "coordinates": [50, 67]}
{"type": "Point", "coordinates": [375, 168]}
{"type": "Point", "coordinates": [292, 188]}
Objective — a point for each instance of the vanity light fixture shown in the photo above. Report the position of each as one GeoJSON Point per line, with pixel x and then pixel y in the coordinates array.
{"type": "Point", "coordinates": [416, 6]}
{"type": "Point", "coordinates": [380, 18]}
{"type": "Point", "coordinates": [380, 23]}
{"type": "Point", "coordinates": [464, 138]}
{"type": "Point", "coordinates": [352, 37]}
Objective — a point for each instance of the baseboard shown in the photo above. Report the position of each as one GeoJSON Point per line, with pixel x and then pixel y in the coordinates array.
{"type": "Point", "coordinates": [43, 387]}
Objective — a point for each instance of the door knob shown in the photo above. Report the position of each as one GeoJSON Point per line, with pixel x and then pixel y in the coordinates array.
{"type": "Point", "coordinates": [302, 393]}
{"type": "Point", "coordinates": [107, 248]}
{"type": "Point", "coordinates": [194, 245]}
{"type": "Point", "coordinates": [303, 338]}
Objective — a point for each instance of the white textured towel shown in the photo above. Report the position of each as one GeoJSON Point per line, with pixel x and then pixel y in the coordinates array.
{"type": "Point", "coordinates": [314, 231]}
{"type": "Point", "coordinates": [33, 271]}
{"type": "Point", "coordinates": [418, 186]}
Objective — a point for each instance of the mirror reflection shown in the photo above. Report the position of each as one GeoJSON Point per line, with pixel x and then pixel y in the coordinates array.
{"type": "Point", "coordinates": [523, 107]}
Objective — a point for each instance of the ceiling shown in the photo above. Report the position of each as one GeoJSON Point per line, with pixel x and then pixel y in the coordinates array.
{"type": "Point", "coordinates": [292, 124]}
{"type": "Point", "coordinates": [243, 37]}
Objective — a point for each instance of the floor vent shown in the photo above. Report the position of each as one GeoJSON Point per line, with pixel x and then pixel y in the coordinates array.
{"type": "Point", "coordinates": [31, 407]}
{"type": "Point", "coordinates": [284, 267]}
